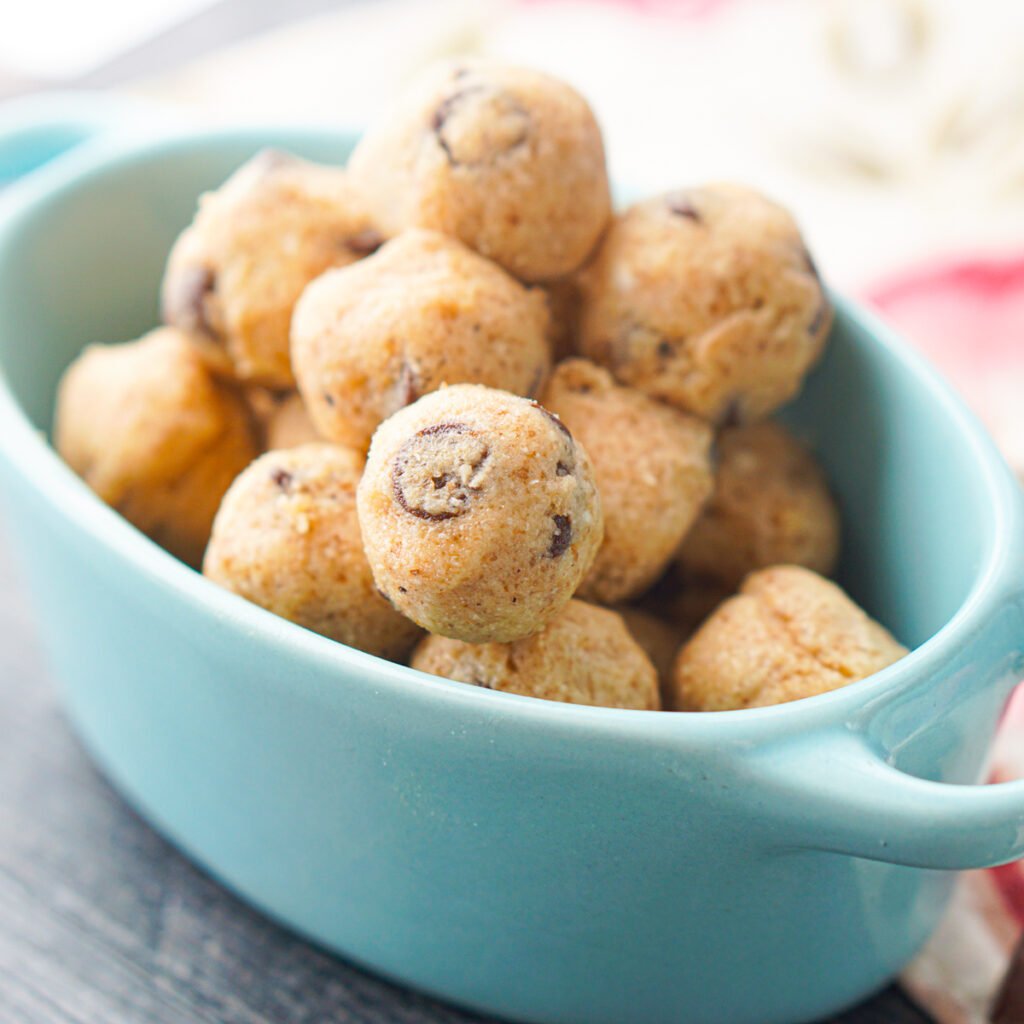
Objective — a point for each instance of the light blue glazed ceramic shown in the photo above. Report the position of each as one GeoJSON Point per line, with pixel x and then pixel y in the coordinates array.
{"type": "Point", "coordinates": [539, 861]}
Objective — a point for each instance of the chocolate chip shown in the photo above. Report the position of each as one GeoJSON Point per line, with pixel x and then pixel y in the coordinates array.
{"type": "Point", "coordinates": [407, 389]}
{"type": "Point", "coordinates": [732, 417]}
{"type": "Point", "coordinates": [402, 590]}
{"type": "Point", "coordinates": [329, 398]}
{"type": "Point", "coordinates": [441, 115]}
{"type": "Point", "coordinates": [270, 159]}
{"type": "Point", "coordinates": [562, 470]}
{"type": "Point", "coordinates": [450, 491]}
{"type": "Point", "coordinates": [811, 266]}
{"type": "Point", "coordinates": [282, 478]}
{"type": "Point", "coordinates": [681, 205]}
{"type": "Point", "coordinates": [186, 305]}
{"type": "Point", "coordinates": [820, 314]}
{"type": "Point", "coordinates": [508, 127]}
{"type": "Point", "coordinates": [715, 454]}
{"type": "Point", "coordinates": [554, 419]}
{"type": "Point", "coordinates": [665, 350]}
{"type": "Point", "coordinates": [562, 537]}
{"type": "Point", "coordinates": [364, 243]}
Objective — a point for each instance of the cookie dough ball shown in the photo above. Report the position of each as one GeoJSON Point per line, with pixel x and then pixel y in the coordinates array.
{"type": "Point", "coordinates": [585, 655]}
{"type": "Point", "coordinates": [653, 471]}
{"type": "Point", "coordinates": [234, 275]}
{"type": "Point", "coordinates": [424, 311]}
{"type": "Point", "coordinates": [771, 506]}
{"type": "Point", "coordinates": [479, 514]}
{"type": "Point", "coordinates": [788, 634]}
{"type": "Point", "coordinates": [287, 538]}
{"type": "Point", "coordinates": [155, 434]}
{"type": "Point", "coordinates": [707, 299]}
{"type": "Point", "coordinates": [506, 159]}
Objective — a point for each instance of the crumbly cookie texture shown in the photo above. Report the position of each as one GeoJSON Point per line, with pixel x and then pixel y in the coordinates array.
{"type": "Point", "coordinates": [155, 434]}
{"type": "Point", "coordinates": [585, 655]}
{"type": "Point", "coordinates": [506, 159]}
{"type": "Point", "coordinates": [707, 299]}
{"type": "Point", "coordinates": [771, 506]}
{"type": "Point", "coordinates": [287, 538]}
{"type": "Point", "coordinates": [653, 470]}
{"type": "Point", "coordinates": [788, 634]}
{"type": "Point", "coordinates": [235, 273]}
{"type": "Point", "coordinates": [424, 311]}
{"type": "Point", "coordinates": [479, 513]}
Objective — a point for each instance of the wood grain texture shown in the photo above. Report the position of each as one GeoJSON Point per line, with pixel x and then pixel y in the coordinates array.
{"type": "Point", "coordinates": [103, 922]}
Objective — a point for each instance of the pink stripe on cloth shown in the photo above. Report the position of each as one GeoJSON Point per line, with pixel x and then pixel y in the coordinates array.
{"type": "Point", "coordinates": [967, 315]}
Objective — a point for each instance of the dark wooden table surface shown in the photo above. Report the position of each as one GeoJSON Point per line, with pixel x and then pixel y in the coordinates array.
{"type": "Point", "coordinates": [103, 922]}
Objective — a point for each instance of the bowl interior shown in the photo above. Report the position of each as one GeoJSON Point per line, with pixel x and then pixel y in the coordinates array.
{"type": "Point", "coordinates": [84, 264]}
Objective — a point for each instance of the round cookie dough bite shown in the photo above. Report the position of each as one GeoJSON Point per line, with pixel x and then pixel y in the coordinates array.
{"type": "Point", "coordinates": [771, 506]}
{"type": "Point", "coordinates": [653, 471]}
{"type": "Point", "coordinates": [156, 434]}
{"type": "Point", "coordinates": [287, 538]}
{"type": "Point", "coordinates": [234, 275]}
{"type": "Point", "coordinates": [788, 634]}
{"type": "Point", "coordinates": [506, 159]}
{"type": "Point", "coordinates": [424, 311]}
{"type": "Point", "coordinates": [479, 513]}
{"type": "Point", "coordinates": [585, 655]}
{"type": "Point", "coordinates": [706, 299]}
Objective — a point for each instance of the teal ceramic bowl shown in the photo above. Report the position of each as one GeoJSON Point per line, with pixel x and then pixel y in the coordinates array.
{"type": "Point", "coordinates": [539, 861]}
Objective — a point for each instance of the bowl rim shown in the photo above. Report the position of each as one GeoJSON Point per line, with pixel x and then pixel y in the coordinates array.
{"type": "Point", "coordinates": [1000, 575]}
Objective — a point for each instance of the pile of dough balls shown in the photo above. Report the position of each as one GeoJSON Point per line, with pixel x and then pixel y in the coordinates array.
{"type": "Point", "coordinates": [446, 406]}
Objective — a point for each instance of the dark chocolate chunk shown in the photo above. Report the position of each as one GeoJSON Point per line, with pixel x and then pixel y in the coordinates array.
{"type": "Point", "coordinates": [271, 159]}
{"type": "Point", "coordinates": [562, 537]}
{"type": "Point", "coordinates": [364, 243]}
{"type": "Point", "coordinates": [820, 314]}
{"type": "Point", "coordinates": [408, 386]}
{"type": "Point", "coordinates": [665, 349]}
{"type": "Point", "coordinates": [681, 205]}
{"type": "Point", "coordinates": [562, 470]}
{"type": "Point", "coordinates": [554, 419]}
{"type": "Point", "coordinates": [282, 478]}
{"type": "Point", "coordinates": [732, 417]}
{"type": "Point", "coordinates": [811, 265]}
{"type": "Point", "coordinates": [447, 106]}
{"type": "Point", "coordinates": [460, 492]}
{"type": "Point", "coordinates": [186, 306]}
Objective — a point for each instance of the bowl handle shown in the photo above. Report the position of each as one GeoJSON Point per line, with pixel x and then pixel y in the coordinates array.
{"type": "Point", "coordinates": [850, 800]}
{"type": "Point", "coordinates": [39, 129]}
